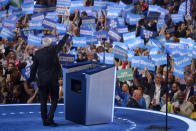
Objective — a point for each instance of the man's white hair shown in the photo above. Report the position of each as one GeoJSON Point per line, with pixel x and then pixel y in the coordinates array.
{"type": "Point", "coordinates": [46, 42]}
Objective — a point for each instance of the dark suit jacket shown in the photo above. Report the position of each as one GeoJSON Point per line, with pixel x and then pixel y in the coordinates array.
{"type": "Point", "coordinates": [133, 103]}
{"type": "Point", "coordinates": [46, 64]}
{"type": "Point", "coordinates": [151, 90]}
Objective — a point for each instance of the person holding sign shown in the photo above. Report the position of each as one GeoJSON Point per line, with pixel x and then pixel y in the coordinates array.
{"type": "Point", "coordinates": [46, 64]}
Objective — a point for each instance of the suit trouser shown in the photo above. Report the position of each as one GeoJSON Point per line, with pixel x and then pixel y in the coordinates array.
{"type": "Point", "coordinates": [45, 91]}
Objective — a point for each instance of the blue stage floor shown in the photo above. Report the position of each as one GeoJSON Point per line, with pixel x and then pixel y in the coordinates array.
{"type": "Point", "coordinates": [27, 118]}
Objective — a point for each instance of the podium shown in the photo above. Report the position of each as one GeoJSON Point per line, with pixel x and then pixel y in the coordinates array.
{"type": "Point", "coordinates": [89, 91]}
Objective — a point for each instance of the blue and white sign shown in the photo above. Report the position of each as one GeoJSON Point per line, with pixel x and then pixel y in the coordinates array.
{"type": "Point", "coordinates": [61, 28]}
{"type": "Point", "coordinates": [177, 18]}
{"type": "Point", "coordinates": [130, 55]}
{"type": "Point", "coordinates": [7, 34]}
{"type": "Point", "coordinates": [109, 58]}
{"type": "Point", "coordinates": [159, 59]}
{"type": "Point", "coordinates": [129, 8]}
{"type": "Point", "coordinates": [91, 40]}
{"type": "Point", "coordinates": [34, 40]}
{"type": "Point", "coordinates": [114, 35]}
{"type": "Point", "coordinates": [26, 72]}
{"type": "Point", "coordinates": [27, 8]}
{"type": "Point", "coordinates": [35, 25]}
{"type": "Point", "coordinates": [133, 19]}
{"type": "Point", "coordinates": [76, 5]}
{"type": "Point", "coordinates": [101, 34]}
{"type": "Point", "coordinates": [121, 21]}
{"type": "Point", "coordinates": [122, 29]}
{"type": "Point", "coordinates": [112, 23]}
{"type": "Point", "coordinates": [129, 36]}
{"type": "Point", "coordinates": [79, 41]}
{"type": "Point", "coordinates": [66, 3]}
{"type": "Point", "coordinates": [179, 71]}
{"type": "Point", "coordinates": [3, 14]}
{"type": "Point", "coordinates": [39, 8]}
{"type": "Point", "coordinates": [53, 37]}
{"type": "Point", "coordinates": [88, 20]}
{"type": "Point", "coordinates": [52, 16]}
{"type": "Point", "coordinates": [39, 16]}
{"type": "Point", "coordinates": [144, 33]}
{"type": "Point", "coordinates": [65, 59]}
{"type": "Point", "coordinates": [188, 7]}
{"type": "Point", "coordinates": [100, 4]}
{"type": "Point", "coordinates": [86, 32]}
{"type": "Point", "coordinates": [182, 61]}
{"type": "Point", "coordinates": [113, 13]}
{"type": "Point", "coordinates": [49, 24]}
{"type": "Point", "coordinates": [189, 42]}
{"type": "Point", "coordinates": [182, 8]}
{"type": "Point", "coordinates": [11, 25]}
{"type": "Point", "coordinates": [119, 52]}
{"type": "Point", "coordinates": [136, 42]}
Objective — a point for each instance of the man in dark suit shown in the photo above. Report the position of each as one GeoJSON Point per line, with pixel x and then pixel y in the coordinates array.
{"type": "Point", "coordinates": [134, 100]}
{"type": "Point", "coordinates": [156, 91]}
{"type": "Point", "coordinates": [46, 64]}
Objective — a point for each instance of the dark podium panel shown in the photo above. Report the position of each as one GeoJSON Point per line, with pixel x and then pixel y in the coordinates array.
{"type": "Point", "coordinates": [89, 89]}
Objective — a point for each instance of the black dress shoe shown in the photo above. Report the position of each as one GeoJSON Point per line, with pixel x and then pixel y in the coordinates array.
{"type": "Point", "coordinates": [52, 123]}
{"type": "Point", "coordinates": [46, 123]}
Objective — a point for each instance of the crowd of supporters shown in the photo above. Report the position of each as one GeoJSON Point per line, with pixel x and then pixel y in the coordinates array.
{"type": "Point", "coordinates": [146, 90]}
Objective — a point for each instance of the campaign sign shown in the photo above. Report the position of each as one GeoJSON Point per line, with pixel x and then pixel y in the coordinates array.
{"type": "Point", "coordinates": [182, 61]}
{"type": "Point", "coordinates": [122, 29]}
{"type": "Point", "coordinates": [35, 25]}
{"type": "Point", "coordinates": [112, 23]}
{"type": "Point", "coordinates": [49, 24]}
{"type": "Point", "coordinates": [177, 18]}
{"type": "Point", "coordinates": [39, 8]}
{"type": "Point", "coordinates": [179, 52]}
{"type": "Point", "coordinates": [161, 38]}
{"type": "Point", "coordinates": [129, 8]}
{"type": "Point", "coordinates": [125, 75]}
{"type": "Point", "coordinates": [3, 14]}
{"type": "Point", "coordinates": [88, 20]}
{"type": "Point", "coordinates": [53, 37]}
{"type": "Point", "coordinates": [144, 33]}
{"type": "Point", "coordinates": [63, 10]}
{"type": "Point", "coordinates": [179, 71]}
{"type": "Point", "coordinates": [109, 58]}
{"type": "Point", "coordinates": [113, 13]}
{"type": "Point", "coordinates": [61, 28]}
{"type": "Point", "coordinates": [135, 61]}
{"type": "Point", "coordinates": [76, 5]}
{"type": "Point", "coordinates": [34, 40]}
{"type": "Point", "coordinates": [17, 12]}
{"type": "Point", "coordinates": [91, 26]}
{"type": "Point", "coordinates": [189, 42]}
{"type": "Point", "coordinates": [91, 40]}
{"type": "Point", "coordinates": [7, 34]}
{"type": "Point", "coordinates": [114, 35]}
{"type": "Point", "coordinates": [65, 3]}
{"type": "Point", "coordinates": [86, 32]}
{"type": "Point", "coordinates": [11, 25]}
{"type": "Point", "coordinates": [100, 4]}
{"type": "Point", "coordinates": [160, 23]}
{"type": "Point", "coordinates": [26, 72]}
{"type": "Point", "coordinates": [52, 16]}
{"type": "Point", "coordinates": [50, 8]}
{"type": "Point", "coordinates": [155, 51]}
{"type": "Point", "coordinates": [101, 34]}
{"type": "Point", "coordinates": [27, 8]}
{"type": "Point", "coordinates": [136, 42]}
{"type": "Point", "coordinates": [151, 44]}
{"type": "Point", "coordinates": [154, 15]}
{"type": "Point", "coordinates": [159, 59]}
{"type": "Point", "coordinates": [121, 21]}
{"type": "Point", "coordinates": [129, 36]}
{"type": "Point", "coordinates": [133, 19]}
{"type": "Point", "coordinates": [38, 16]}
{"type": "Point", "coordinates": [142, 62]}
{"type": "Point", "coordinates": [119, 52]}
{"type": "Point", "coordinates": [130, 55]}
{"type": "Point", "coordinates": [188, 6]}
{"type": "Point", "coordinates": [65, 59]}
{"type": "Point", "coordinates": [79, 41]}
